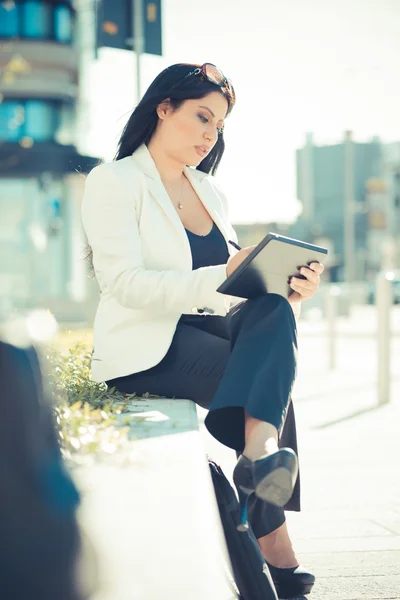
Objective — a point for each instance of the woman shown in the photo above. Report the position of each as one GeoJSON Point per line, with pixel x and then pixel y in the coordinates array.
{"type": "Point", "coordinates": [159, 233]}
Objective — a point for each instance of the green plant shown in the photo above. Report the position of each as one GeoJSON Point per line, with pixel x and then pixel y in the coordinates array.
{"type": "Point", "coordinates": [87, 433]}
{"type": "Point", "coordinates": [69, 380]}
{"type": "Point", "coordinates": [87, 413]}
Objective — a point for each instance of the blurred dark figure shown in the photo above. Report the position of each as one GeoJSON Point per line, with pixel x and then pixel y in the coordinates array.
{"type": "Point", "coordinates": [39, 535]}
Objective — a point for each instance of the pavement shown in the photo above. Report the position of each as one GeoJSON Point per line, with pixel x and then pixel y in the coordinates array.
{"type": "Point", "coordinates": [348, 532]}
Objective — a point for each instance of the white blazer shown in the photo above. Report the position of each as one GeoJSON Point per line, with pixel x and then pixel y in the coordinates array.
{"type": "Point", "coordinates": [143, 262]}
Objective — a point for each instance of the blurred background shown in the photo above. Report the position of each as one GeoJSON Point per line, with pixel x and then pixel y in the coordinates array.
{"type": "Point", "coordinates": [315, 130]}
{"type": "Point", "coordinates": [312, 151]}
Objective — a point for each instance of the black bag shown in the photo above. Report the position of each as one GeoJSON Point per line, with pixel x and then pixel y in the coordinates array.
{"type": "Point", "coordinates": [250, 570]}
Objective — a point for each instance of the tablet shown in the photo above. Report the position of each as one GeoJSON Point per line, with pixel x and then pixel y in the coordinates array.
{"type": "Point", "coordinates": [267, 269]}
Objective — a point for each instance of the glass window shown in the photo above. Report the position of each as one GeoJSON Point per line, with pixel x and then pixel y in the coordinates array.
{"type": "Point", "coordinates": [36, 19]}
{"type": "Point", "coordinates": [36, 119]}
{"type": "Point", "coordinates": [40, 120]}
{"type": "Point", "coordinates": [8, 19]}
{"type": "Point", "coordinates": [62, 24]}
{"type": "Point", "coordinates": [12, 117]}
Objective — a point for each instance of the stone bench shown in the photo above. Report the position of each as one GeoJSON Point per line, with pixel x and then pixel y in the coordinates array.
{"type": "Point", "coordinates": [153, 519]}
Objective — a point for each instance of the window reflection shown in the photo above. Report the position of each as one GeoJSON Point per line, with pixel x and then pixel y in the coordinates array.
{"type": "Point", "coordinates": [36, 119]}
{"type": "Point", "coordinates": [39, 120]}
{"type": "Point", "coordinates": [8, 20]}
{"type": "Point", "coordinates": [62, 24]}
{"type": "Point", "coordinates": [36, 19]}
{"type": "Point", "coordinates": [10, 121]}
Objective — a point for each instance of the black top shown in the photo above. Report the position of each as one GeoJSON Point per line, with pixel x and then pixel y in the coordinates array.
{"type": "Point", "coordinates": [207, 250]}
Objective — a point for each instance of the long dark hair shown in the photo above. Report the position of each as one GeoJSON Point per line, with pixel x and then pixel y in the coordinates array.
{"type": "Point", "coordinates": [174, 84]}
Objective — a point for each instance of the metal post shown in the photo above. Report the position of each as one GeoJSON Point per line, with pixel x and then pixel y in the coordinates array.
{"type": "Point", "coordinates": [307, 178]}
{"type": "Point", "coordinates": [349, 247]}
{"type": "Point", "coordinates": [138, 41]}
{"type": "Point", "coordinates": [384, 300]}
{"type": "Point", "coordinates": [331, 297]}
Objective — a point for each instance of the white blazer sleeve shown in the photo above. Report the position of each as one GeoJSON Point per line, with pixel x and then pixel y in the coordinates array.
{"type": "Point", "coordinates": [112, 231]}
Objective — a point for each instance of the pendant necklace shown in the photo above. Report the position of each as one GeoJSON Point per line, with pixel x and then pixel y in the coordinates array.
{"type": "Point", "coordinates": [180, 205]}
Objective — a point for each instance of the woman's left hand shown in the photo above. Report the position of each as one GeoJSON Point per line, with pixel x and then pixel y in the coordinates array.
{"type": "Point", "coordinates": [306, 288]}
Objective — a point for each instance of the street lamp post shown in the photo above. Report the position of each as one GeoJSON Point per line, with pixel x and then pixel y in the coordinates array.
{"type": "Point", "coordinates": [138, 41]}
{"type": "Point", "coordinates": [384, 301]}
{"type": "Point", "coordinates": [349, 246]}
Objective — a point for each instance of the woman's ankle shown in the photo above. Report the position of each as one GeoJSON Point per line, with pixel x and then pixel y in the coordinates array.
{"type": "Point", "coordinates": [277, 548]}
{"type": "Point", "coordinates": [255, 450]}
{"type": "Point", "coordinates": [261, 438]}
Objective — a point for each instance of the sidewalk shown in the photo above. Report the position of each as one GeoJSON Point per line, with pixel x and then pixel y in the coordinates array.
{"type": "Point", "coordinates": [348, 533]}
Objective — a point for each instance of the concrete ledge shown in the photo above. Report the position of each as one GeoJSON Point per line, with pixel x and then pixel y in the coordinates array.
{"type": "Point", "coordinates": [154, 417]}
{"type": "Point", "coordinates": [154, 521]}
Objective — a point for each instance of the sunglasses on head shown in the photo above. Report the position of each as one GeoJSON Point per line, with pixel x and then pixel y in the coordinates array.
{"type": "Point", "coordinates": [214, 75]}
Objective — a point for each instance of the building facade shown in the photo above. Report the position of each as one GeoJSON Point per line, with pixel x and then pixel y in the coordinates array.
{"type": "Point", "coordinates": [346, 197]}
{"type": "Point", "coordinates": [41, 170]}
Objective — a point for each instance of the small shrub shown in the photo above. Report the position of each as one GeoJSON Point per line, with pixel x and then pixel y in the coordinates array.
{"type": "Point", "coordinates": [86, 412]}
{"type": "Point", "coordinates": [86, 433]}
{"type": "Point", "coordinates": [69, 380]}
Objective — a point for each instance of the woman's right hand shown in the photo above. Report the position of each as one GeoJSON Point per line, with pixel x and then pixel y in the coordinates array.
{"type": "Point", "coordinates": [235, 260]}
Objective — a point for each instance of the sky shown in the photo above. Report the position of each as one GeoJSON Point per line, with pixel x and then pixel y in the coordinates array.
{"type": "Point", "coordinates": [297, 66]}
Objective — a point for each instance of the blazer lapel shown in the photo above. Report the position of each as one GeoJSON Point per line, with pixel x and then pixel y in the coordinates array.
{"type": "Point", "coordinates": [156, 188]}
{"type": "Point", "coordinates": [200, 184]}
{"type": "Point", "coordinates": [159, 193]}
{"type": "Point", "coordinates": [207, 195]}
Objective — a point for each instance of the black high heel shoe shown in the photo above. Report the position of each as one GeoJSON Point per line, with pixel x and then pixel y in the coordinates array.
{"type": "Point", "coordinates": [291, 582]}
{"type": "Point", "coordinates": [271, 478]}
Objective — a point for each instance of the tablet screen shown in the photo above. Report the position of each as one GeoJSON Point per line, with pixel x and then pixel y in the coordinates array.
{"type": "Point", "coordinates": [269, 266]}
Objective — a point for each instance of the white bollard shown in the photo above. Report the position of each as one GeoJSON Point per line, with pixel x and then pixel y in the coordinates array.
{"type": "Point", "coordinates": [384, 301]}
{"type": "Point", "coordinates": [331, 298]}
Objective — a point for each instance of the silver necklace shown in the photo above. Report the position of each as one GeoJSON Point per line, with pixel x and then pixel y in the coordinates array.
{"type": "Point", "coordinates": [180, 205]}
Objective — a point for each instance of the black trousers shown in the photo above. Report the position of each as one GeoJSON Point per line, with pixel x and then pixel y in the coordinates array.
{"type": "Point", "coordinates": [225, 364]}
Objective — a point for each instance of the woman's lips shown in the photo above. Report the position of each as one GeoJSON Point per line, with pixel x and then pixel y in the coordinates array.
{"type": "Point", "coordinates": [201, 151]}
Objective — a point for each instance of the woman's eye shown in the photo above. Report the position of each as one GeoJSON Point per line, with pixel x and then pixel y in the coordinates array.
{"type": "Point", "coordinates": [204, 119]}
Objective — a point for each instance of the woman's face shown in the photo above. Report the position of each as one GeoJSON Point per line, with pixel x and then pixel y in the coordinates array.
{"type": "Point", "coordinates": [189, 133]}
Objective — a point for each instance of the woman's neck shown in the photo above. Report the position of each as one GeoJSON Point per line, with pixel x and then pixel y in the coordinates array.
{"type": "Point", "coordinates": [169, 169]}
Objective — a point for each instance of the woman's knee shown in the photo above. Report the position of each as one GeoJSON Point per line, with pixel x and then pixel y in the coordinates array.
{"type": "Point", "coordinates": [272, 302]}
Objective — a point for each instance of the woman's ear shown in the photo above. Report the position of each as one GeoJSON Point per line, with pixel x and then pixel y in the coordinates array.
{"type": "Point", "coordinates": [163, 109]}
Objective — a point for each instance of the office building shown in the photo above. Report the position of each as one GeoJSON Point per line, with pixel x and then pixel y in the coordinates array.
{"type": "Point", "coordinates": [41, 170]}
{"type": "Point", "coordinates": [332, 187]}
